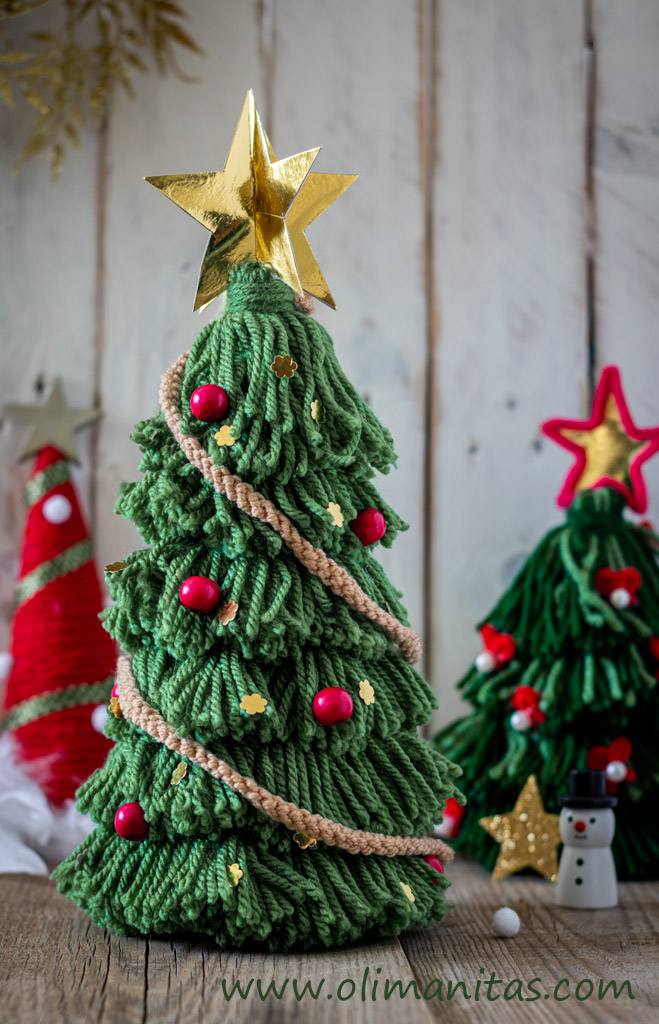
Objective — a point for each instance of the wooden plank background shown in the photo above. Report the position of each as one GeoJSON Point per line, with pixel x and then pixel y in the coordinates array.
{"type": "Point", "coordinates": [501, 245]}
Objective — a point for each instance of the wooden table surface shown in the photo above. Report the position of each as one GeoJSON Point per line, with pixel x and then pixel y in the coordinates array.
{"type": "Point", "coordinates": [56, 967]}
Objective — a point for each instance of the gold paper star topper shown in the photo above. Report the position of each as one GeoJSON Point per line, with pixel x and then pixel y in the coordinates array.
{"type": "Point", "coordinates": [257, 208]}
{"type": "Point", "coordinates": [52, 424]}
{"type": "Point", "coordinates": [528, 835]}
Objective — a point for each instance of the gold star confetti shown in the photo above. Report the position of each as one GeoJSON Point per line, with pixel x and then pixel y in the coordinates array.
{"type": "Point", "coordinates": [253, 704]}
{"type": "Point", "coordinates": [336, 513]}
{"type": "Point", "coordinates": [528, 835]}
{"type": "Point", "coordinates": [304, 841]}
{"type": "Point", "coordinates": [114, 707]}
{"type": "Point", "coordinates": [318, 412]}
{"type": "Point", "coordinates": [235, 874]}
{"type": "Point", "coordinates": [257, 208]}
{"type": "Point", "coordinates": [116, 566]}
{"type": "Point", "coordinates": [366, 692]}
{"type": "Point", "coordinates": [179, 773]}
{"type": "Point", "coordinates": [408, 892]}
{"type": "Point", "coordinates": [52, 423]}
{"type": "Point", "coordinates": [224, 437]}
{"type": "Point", "coordinates": [228, 613]}
{"type": "Point", "coordinates": [284, 366]}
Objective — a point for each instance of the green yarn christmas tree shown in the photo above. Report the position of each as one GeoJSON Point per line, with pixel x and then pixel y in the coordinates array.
{"type": "Point", "coordinates": [239, 679]}
{"type": "Point", "coordinates": [568, 677]}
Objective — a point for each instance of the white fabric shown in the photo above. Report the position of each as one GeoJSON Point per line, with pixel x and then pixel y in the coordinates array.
{"type": "Point", "coordinates": [31, 831]}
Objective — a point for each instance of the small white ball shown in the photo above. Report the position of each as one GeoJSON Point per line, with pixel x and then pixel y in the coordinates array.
{"type": "Point", "coordinates": [486, 662]}
{"type": "Point", "coordinates": [100, 717]}
{"type": "Point", "coordinates": [620, 598]}
{"type": "Point", "coordinates": [57, 509]}
{"type": "Point", "coordinates": [505, 922]}
{"type": "Point", "coordinates": [616, 771]}
{"type": "Point", "coordinates": [520, 721]}
{"type": "Point", "coordinates": [6, 662]}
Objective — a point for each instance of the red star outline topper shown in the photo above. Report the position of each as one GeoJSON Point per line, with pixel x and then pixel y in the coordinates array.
{"type": "Point", "coordinates": [614, 447]}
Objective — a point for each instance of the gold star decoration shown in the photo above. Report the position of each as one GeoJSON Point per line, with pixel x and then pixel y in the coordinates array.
{"type": "Point", "coordinates": [366, 692]}
{"type": "Point", "coordinates": [408, 892]}
{"type": "Point", "coordinates": [228, 612]}
{"type": "Point", "coordinates": [304, 841]}
{"type": "Point", "coordinates": [318, 412]}
{"type": "Point", "coordinates": [257, 209]}
{"type": "Point", "coordinates": [52, 423]}
{"type": "Point", "coordinates": [115, 708]}
{"type": "Point", "coordinates": [528, 835]}
{"type": "Point", "coordinates": [253, 704]}
{"type": "Point", "coordinates": [179, 773]}
{"type": "Point", "coordinates": [284, 366]}
{"type": "Point", "coordinates": [116, 566]}
{"type": "Point", "coordinates": [609, 448]}
{"type": "Point", "coordinates": [235, 874]}
{"type": "Point", "coordinates": [336, 513]}
{"type": "Point", "coordinates": [224, 437]}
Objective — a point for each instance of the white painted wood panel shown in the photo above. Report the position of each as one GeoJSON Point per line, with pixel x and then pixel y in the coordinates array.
{"type": "Point", "coordinates": [347, 77]}
{"type": "Point", "coordinates": [626, 178]}
{"type": "Point", "coordinates": [509, 280]}
{"type": "Point", "coordinates": [154, 250]}
{"type": "Point", "coordinates": [47, 280]}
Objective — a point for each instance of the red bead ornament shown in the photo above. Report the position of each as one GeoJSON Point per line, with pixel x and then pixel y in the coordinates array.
{"type": "Point", "coordinates": [130, 823]}
{"type": "Point", "coordinates": [210, 403]}
{"type": "Point", "coordinates": [115, 692]}
{"type": "Point", "coordinates": [369, 526]}
{"type": "Point", "coordinates": [199, 594]}
{"type": "Point", "coordinates": [333, 705]}
{"type": "Point", "coordinates": [436, 864]}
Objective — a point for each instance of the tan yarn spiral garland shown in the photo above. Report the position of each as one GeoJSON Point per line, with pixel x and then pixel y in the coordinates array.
{"type": "Point", "coordinates": [135, 708]}
{"type": "Point", "coordinates": [254, 504]}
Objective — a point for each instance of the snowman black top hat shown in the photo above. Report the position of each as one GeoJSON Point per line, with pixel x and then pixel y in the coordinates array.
{"type": "Point", "coordinates": [587, 789]}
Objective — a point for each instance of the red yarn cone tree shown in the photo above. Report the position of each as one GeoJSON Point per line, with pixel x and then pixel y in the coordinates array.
{"type": "Point", "coordinates": [63, 660]}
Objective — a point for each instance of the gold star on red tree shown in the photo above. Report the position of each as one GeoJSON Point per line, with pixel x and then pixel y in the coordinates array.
{"type": "Point", "coordinates": [609, 448]}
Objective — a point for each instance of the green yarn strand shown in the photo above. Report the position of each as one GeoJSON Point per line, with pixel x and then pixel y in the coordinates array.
{"type": "Point", "coordinates": [69, 560]}
{"type": "Point", "coordinates": [57, 700]}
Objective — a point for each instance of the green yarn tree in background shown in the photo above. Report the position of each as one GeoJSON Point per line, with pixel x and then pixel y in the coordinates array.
{"type": "Point", "coordinates": [241, 676]}
{"type": "Point", "coordinates": [568, 676]}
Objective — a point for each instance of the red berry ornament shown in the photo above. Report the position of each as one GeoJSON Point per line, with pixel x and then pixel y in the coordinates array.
{"type": "Point", "coordinates": [210, 403]}
{"type": "Point", "coordinates": [130, 823]}
{"type": "Point", "coordinates": [370, 525]}
{"type": "Point", "coordinates": [199, 594]}
{"type": "Point", "coordinates": [333, 705]}
{"type": "Point", "coordinates": [434, 863]}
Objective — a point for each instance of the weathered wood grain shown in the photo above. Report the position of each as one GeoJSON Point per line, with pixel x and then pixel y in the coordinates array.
{"type": "Point", "coordinates": [347, 76]}
{"type": "Point", "coordinates": [626, 204]}
{"type": "Point", "coordinates": [510, 299]}
{"type": "Point", "coordinates": [56, 967]}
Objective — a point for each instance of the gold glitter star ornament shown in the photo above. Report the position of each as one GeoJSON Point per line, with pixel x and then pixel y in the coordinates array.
{"type": "Point", "coordinates": [528, 835]}
{"type": "Point", "coordinates": [257, 209]}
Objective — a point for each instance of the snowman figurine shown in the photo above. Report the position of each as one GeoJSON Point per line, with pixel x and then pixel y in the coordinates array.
{"type": "Point", "coordinates": [586, 873]}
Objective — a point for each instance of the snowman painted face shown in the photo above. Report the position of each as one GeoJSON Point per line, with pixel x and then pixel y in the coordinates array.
{"type": "Point", "coordinates": [585, 828]}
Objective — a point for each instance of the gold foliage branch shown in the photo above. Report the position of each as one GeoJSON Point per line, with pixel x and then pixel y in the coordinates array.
{"type": "Point", "coordinates": [69, 73]}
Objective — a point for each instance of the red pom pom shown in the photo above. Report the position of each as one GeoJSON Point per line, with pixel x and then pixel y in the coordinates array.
{"type": "Point", "coordinates": [501, 645]}
{"type": "Point", "coordinates": [629, 579]}
{"type": "Point", "coordinates": [370, 525]}
{"type": "Point", "coordinates": [333, 705]}
{"type": "Point", "coordinates": [199, 594]}
{"type": "Point", "coordinates": [654, 647]}
{"type": "Point", "coordinates": [434, 863]}
{"type": "Point", "coordinates": [130, 823]}
{"type": "Point", "coordinates": [210, 403]}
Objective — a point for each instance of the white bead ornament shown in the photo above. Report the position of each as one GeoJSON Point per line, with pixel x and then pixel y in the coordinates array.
{"type": "Point", "coordinates": [506, 922]}
{"type": "Point", "coordinates": [520, 721]}
{"type": "Point", "coordinates": [6, 662]}
{"type": "Point", "coordinates": [620, 598]}
{"type": "Point", "coordinates": [100, 717]}
{"type": "Point", "coordinates": [486, 662]}
{"type": "Point", "coordinates": [57, 509]}
{"type": "Point", "coordinates": [616, 771]}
